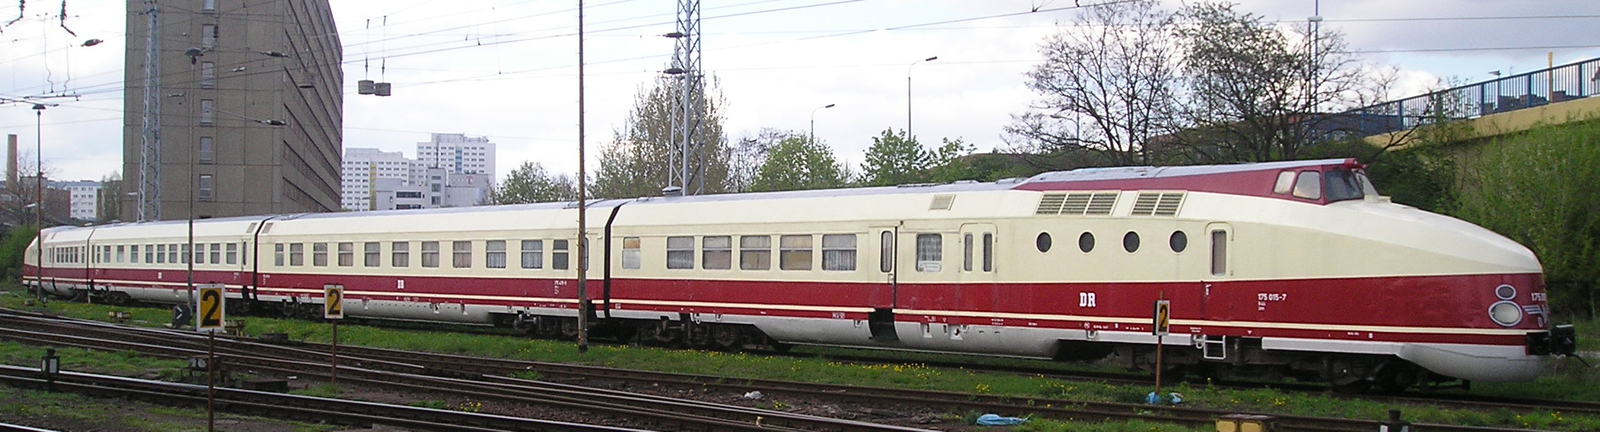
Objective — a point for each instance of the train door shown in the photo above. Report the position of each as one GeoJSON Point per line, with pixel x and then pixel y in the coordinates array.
{"type": "Point", "coordinates": [1215, 302]}
{"type": "Point", "coordinates": [885, 239]}
{"type": "Point", "coordinates": [977, 290]}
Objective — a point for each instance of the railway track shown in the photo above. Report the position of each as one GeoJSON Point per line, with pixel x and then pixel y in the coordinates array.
{"type": "Point", "coordinates": [489, 377]}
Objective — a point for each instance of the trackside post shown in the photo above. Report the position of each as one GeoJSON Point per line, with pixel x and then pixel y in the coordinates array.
{"type": "Point", "coordinates": [333, 310]}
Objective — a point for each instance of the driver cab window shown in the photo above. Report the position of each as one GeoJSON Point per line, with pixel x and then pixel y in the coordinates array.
{"type": "Point", "coordinates": [1308, 185]}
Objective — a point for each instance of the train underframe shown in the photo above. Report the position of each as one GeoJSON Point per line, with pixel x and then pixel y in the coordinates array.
{"type": "Point", "coordinates": [1243, 359]}
{"type": "Point", "coordinates": [1218, 358]}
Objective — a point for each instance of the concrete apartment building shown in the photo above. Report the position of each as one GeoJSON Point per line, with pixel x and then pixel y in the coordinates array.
{"type": "Point", "coordinates": [452, 170]}
{"type": "Point", "coordinates": [84, 196]}
{"type": "Point", "coordinates": [246, 92]}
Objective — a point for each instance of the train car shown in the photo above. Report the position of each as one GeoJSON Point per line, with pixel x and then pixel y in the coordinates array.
{"type": "Point", "coordinates": [1271, 269]}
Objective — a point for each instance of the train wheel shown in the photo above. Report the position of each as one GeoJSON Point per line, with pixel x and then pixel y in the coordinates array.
{"type": "Point", "coordinates": [726, 337]}
{"type": "Point", "coordinates": [569, 328]}
{"type": "Point", "coordinates": [527, 325]}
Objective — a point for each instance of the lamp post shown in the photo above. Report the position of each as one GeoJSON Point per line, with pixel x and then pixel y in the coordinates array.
{"type": "Point", "coordinates": [38, 195]}
{"type": "Point", "coordinates": [814, 121]}
{"type": "Point", "coordinates": [908, 92]}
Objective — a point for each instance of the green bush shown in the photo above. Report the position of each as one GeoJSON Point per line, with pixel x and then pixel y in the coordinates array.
{"type": "Point", "coordinates": [12, 248]}
{"type": "Point", "coordinates": [1542, 189]}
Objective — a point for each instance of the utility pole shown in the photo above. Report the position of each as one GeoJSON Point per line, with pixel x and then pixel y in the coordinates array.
{"type": "Point", "coordinates": [150, 136]}
{"type": "Point", "coordinates": [583, 209]}
{"type": "Point", "coordinates": [687, 112]}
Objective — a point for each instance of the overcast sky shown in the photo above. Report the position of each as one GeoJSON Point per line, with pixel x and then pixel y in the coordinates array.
{"type": "Point", "coordinates": [508, 69]}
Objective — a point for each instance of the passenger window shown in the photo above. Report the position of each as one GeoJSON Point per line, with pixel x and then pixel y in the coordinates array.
{"type": "Point", "coordinates": [121, 252]}
{"type": "Point", "coordinates": [494, 254]}
{"type": "Point", "coordinates": [277, 254]}
{"type": "Point", "coordinates": [461, 254]}
{"type": "Point", "coordinates": [716, 252]}
{"type": "Point", "coordinates": [319, 254]}
{"type": "Point", "coordinates": [839, 252]}
{"type": "Point", "coordinates": [216, 253]}
{"type": "Point", "coordinates": [794, 252]}
{"type": "Point", "coordinates": [930, 253]}
{"type": "Point", "coordinates": [558, 254]}
{"type": "Point", "coordinates": [755, 252]}
{"type": "Point", "coordinates": [533, 254]}
{"type": "Point", "coordinates": [297, 254]}
{"type": "Point", "coordinates": [133, 254]}
{"type": "Point", "coordinates": [233, 253]}
{"type": "Point", "coordinates": [632, 257]}
{"type": "Point", "coordinates": [1219, 253]}
{"type": "Point", "coordinates": [400, 254]}
{"type": "Point", "coordinates": [347, 254]}
{"type": "Point", "coordinates": [680, 252]}
{"type": "Point", "coordinates": [1309, 185]}
{"type": "Point", "coordinates": [172, 253]}
{"type": "Point", "coordinates": [161, 254]}
{"type": "Point", "coordinates": [430, 254]}
{"type": "Point", "coordinates": [149, 250]}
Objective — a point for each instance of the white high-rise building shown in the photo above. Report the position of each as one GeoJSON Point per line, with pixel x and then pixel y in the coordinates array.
{"type": "Point", "coordinates": [362, 169]}
{"type": "Point", "coordinates": [458, 154]}
{"type": "Point", "coordinates": [452, 170]}
{"type": "Point", "coordinates": [85, 198]}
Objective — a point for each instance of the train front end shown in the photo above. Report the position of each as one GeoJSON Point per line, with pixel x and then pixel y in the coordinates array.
{"type": "Point", "coordinates": [1473, 301]}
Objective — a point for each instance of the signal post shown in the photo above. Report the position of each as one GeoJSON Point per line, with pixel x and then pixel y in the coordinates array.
{"type": "Point", "coordinates": [210, 316]}
{"type": "Point", "coordinates": [333, 310]}
{"type": "Point", "coordinates": [1163, 317]}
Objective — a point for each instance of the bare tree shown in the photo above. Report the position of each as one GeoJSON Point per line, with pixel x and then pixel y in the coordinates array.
{"type": "Point", "coordinates": [1106, 85]}
{"type": "Point", "coordinates": [637, 161]}
{"type": "Point", "coordinates": [747, 157]}
{"type": "Point", "coordinates": [17, 200]}
{"type": "Point", "coordinates": [1258, 92]}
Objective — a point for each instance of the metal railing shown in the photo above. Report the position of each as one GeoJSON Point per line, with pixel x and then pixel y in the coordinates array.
{"type": "Point", "coordinates": [1526, 90]}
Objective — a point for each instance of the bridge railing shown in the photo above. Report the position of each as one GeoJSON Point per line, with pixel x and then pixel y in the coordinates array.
{"type": "Point", "coordinates": [1509, 93]}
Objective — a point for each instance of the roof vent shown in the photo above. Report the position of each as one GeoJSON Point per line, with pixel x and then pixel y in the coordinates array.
{"type": "Point", "coordinates": [672, 191]}
{"type": "Point", "coordinates": [1077, 203]}
{"type": "Point", "coordinates": [942, 202]}
{"type": "Point", "coordinates": [1158, 204]}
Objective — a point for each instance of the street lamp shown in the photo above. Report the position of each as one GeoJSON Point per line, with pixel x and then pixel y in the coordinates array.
{"type": "Point", "coordinates": [908, 93]}
{"type": "Point", "coordinates": [38, 194]}
{"type": "Point", "coordinates": [814, 121]}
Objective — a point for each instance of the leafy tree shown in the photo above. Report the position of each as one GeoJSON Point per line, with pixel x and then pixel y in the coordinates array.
{"type": "Point", "coordinates": [1106, 86]}
{"type": "Point", "coordinates": [531, 183]}
{"type": "Point", "coordinates": [949, 162]}
{"type": "Point", "coordinates": [895, 159]}
{"type": "Point", "coordinates": [797, 163]}
{"type": "Point", "coordinates": [1257, 92]}
{"type": "Point", "coordinates": [640, 159]}
{"type": "Point", "coordinates": [112, 190]}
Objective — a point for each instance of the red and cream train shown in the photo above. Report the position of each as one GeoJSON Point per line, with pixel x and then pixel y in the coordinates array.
{"type": "Point", "coordinates": [1272, 269]}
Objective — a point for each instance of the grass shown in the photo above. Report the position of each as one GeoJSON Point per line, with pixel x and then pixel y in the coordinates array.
{"type": "Point", "coordinates": [1569, 382]}
{"type": "Point", "coordinates": [71, 409]}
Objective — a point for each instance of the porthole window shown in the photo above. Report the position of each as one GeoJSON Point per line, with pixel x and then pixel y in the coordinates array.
{"type": "Point", "coordinates": [1179, 241]}
{"type": "Point", "coordinates": [1130, 242]}
{"type": "Point", "coordinates": [1042, 242]}
{"type": "Point", "coordinates": [1086, 242]}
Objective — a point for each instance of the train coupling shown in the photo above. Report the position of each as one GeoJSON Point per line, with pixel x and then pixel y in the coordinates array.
{"type": "Point", "coordinates": [1561, 340]}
